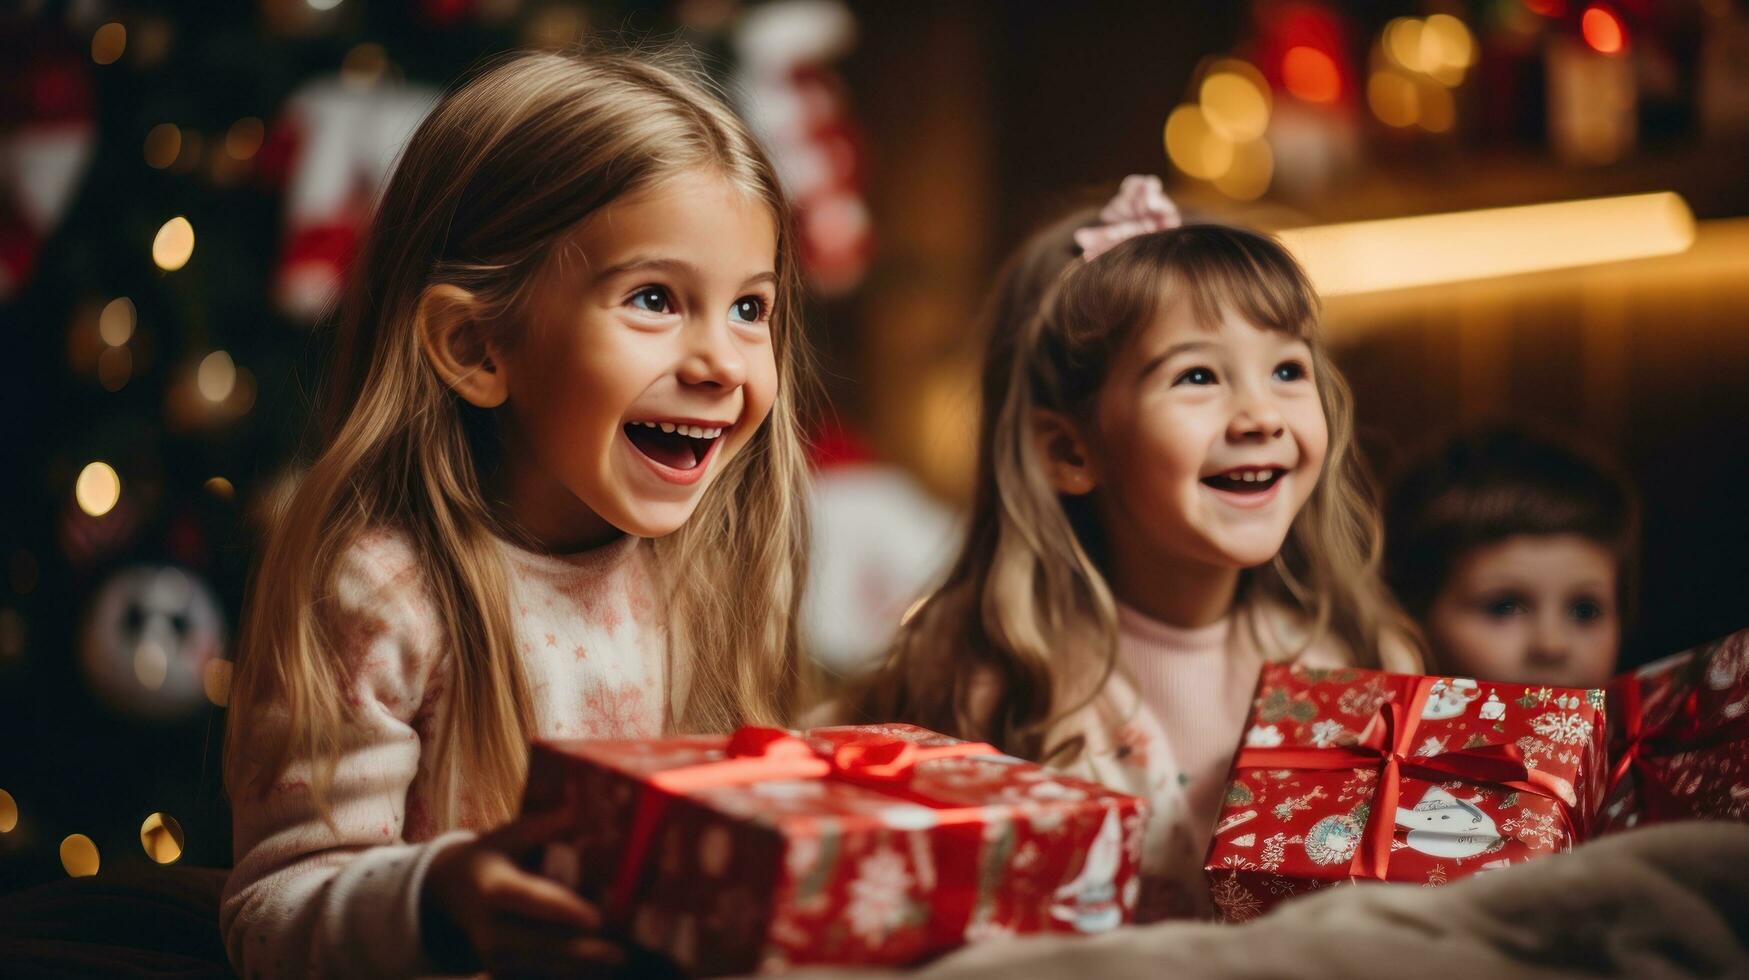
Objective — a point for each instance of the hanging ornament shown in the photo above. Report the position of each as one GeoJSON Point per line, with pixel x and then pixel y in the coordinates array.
{"type": "Point", "coordinates": [879, 543]}
{"type": "Point", "coordinates": [148, 636]}
{"type": "Point", "coordinates": [46, 137]}
{"type": "Point", "coordinates": [797, 102]}
{"type": "Point", "coordinates": [337, 142]}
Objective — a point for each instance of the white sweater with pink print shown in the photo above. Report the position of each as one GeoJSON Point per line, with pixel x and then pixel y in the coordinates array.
{"type": "Point", "coordinates": [307, 899]}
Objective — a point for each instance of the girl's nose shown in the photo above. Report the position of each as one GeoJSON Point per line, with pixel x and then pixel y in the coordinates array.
{"type": "Point", "coordinates": [1256, 418]}
{"type": "Point", "coordinates": [713, 359]}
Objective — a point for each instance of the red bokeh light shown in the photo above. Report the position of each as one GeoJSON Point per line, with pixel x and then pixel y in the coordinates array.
{"type": "Point", "coordinates": [1311, 75]}
{"type": "Point", "coordinates": [1603, 30]}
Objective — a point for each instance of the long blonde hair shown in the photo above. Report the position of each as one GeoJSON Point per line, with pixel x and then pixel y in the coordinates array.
{"type": "Point", "coordinates": [1024, 631]}
{"type": "Point", "coordinates": [502, 169]}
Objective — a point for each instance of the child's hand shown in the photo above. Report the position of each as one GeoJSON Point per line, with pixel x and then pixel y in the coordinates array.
{"type": "Point", "coordinates": [513, 922]}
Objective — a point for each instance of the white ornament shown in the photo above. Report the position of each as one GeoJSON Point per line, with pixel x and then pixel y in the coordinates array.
{"type": "Point", "coordinates": [1441, 825]}
{"type": "Point", "coordinates": [148, 638]}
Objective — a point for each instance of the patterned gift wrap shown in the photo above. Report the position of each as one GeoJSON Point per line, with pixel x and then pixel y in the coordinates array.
{"type": "Point", "coordinates": [882, 844]}
{"type": "Point", "coordinates": [1356, 775]}
{"type": "Point", "coordinates": [1680, 738]}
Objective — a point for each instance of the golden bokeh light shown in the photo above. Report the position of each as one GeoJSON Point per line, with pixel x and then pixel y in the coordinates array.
{"type": "Point", "coordinates": [1403, 42]}
{"type": "Point", "coordinates": [364, 65]}
{"type": "Point", "coordinates": [1235, 102]}
{"type": "Point", "coordinates": [115, 367]}
{"type": "Point", "coordinates": [79, 856]}
{"type": "Point", "coordinates": [1248, 178]}
{"type": "Point", "coordinates": [1194, 146]}
{"type": "Point", "coordinates": [98, 489]}
{"type": "Point", "coordinates": [243, 139]}
{"type": "Point", "coordinates": [1311, 75]}
{"type": "Point", "coordinates": [161, 836]}
{"type": "Point", "coordinates": [1437, 111]}
{"type": "Point", "coordinates": [116, 323]}
{"type": "Point", "coordinates": [108, 43]}
{"type": "Point", "coordinates": [216, 377]}
{"type": "Point", "coordinates": [8, 812]}
{"type": "Point", "coordinates": [163, 145]}
{"type": "Point", "coordinates": [221, 488]}
{"type": "Point", "coordinates": [173, 246]}
{"type": "Point", "coordinates": [215, 679]}
{"type": "Point", "coordinates": [1446, 42]}
{"type": "Point", "coordinates": [1394, 98]}
{"type": "Point", "coordinates": [151, 665]}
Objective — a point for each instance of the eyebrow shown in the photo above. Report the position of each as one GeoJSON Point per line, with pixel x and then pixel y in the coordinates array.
{"type": "Point", "coordinates": [673, 267]}
{"type": "Point", "coordinates": [1171, 352]}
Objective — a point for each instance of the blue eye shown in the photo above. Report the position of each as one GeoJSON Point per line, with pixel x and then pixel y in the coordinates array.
{"type": "Point", "coordinates": [652, 299]}
{"type": "Point", "coordinates": [748, 309]}
{"type": "Point", "coordinates": [1586, 610]}
{"type": "Point", "coordinates": [1290, 371]}
{"type": "Point", "coordinates": [1195, 376]}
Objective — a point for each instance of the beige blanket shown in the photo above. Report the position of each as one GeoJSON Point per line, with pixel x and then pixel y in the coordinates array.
{"type": "Point", "coordinates": [1670, 901]}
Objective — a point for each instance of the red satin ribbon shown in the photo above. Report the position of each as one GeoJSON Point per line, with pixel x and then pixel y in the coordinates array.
{"type": "Point", "coordinates": [758, 754]}
{"type": "Point", "coordinates": [1387, 744]}
{"type": "Point", "coordinates": [1682, 731]}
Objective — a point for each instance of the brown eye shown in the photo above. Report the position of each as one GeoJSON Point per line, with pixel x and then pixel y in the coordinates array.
{"type": "Point", "coordinates": [651, 299]}
{"type": "Point", "coordinates": [1290, 371]}
{"type": "Point", "coordinates": [747, 309]}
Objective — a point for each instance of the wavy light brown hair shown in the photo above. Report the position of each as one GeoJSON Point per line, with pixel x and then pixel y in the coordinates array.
{"type": "Point", "coordinates": [486, 192]}
{"type": "Point", "coordinates": [1024, 631]}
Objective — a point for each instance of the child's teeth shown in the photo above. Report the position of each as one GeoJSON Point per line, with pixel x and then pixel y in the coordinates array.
{"type": "Point", "coordinates": [668, 427]}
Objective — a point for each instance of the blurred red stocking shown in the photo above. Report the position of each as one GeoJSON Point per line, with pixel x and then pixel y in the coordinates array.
{"type": "Point", "coordinates": [335, 144]}
{"type": "Point", "coordinates": [46, 137]}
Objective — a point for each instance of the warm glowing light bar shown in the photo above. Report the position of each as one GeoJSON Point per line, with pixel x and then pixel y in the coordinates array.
{"type": "Point", "coordinates": [1395, 253]}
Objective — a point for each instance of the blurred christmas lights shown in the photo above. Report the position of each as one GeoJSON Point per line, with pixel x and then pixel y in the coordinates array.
{"type": "Point", "coordinates": [244, 138]}
{"type": "Point", "coordinates": [216, 377]}
{"type": "Point", "coordinates": [216, 681]}
{"type": "Point", "coordinates": [161, 837]}
{"type": "Point", "coordinates": [1311, 75]}
{"type": "Point", "coordinates": [1603, 30]}
{"type": "Point", "coordinates": [116, 323]}
{"type": "Point", "coordinates": [98, 489]}
{"type": "Point", "coordinates": [1235, 100]}
{"type": "Point", "coordinates": [79, 856]}
{"type": "Point", "coordinates": [174, 244]}
{"type": "Point", "coordinates": [8, 812]}
{"type": "Point", "coordinates": [108, 43]}
{"type": "Point", "coordinates": [163, 145]}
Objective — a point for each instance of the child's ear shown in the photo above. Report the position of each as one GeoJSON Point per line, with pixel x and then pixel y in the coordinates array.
{"type": "Point", "coordinates": [455, 343]}
{"type": "Point", "coordinates": [1068, 465]}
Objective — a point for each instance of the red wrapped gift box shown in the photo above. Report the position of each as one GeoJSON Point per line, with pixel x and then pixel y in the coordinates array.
{"type": "Point", "coordinates": [861, 845]}
{"type": "Point", "coordinates": [1681, 738]}
{"type": "Point", "coordinates": [1354, 775]}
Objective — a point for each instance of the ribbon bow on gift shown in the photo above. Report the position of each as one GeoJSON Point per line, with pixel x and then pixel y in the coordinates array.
{"type": "Point", "coordinates": [757, 754]}
{"type": "Point", "coordinates": [1683, 729]}
{"type": "Point", "coordinates": [1387, 745]}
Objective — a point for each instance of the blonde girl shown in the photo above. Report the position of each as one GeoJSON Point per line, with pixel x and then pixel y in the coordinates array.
{"type": "Point", "coordinates": [561, 417]}
{"type": "Point", "coordinates": [1167, 497]}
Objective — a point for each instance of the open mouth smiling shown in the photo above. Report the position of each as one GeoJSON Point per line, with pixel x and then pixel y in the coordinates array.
{"type": "Point", "coordinates": [680, 446]}
{"type": "Point", "coordinates": [1246, 480]}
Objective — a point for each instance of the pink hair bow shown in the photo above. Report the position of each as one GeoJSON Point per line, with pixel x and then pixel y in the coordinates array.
{"type": "Point", "coordinates": [1140, 206]}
